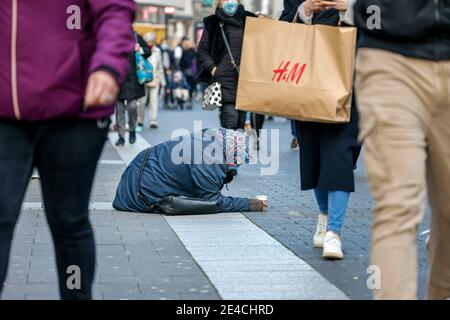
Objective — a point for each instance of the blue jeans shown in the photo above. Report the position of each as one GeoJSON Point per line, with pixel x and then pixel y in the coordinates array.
{"type": "Point", "coordinates": [335, 204]}
{"type": "Point", "coordinates": [293, 129]}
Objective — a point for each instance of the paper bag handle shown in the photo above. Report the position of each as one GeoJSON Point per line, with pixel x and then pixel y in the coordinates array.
{"type": "Point", "coordinates": [295, 17]}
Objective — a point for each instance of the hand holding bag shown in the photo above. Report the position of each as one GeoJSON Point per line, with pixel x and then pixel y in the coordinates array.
{"type": "Point", "coordinates": [144, 69]}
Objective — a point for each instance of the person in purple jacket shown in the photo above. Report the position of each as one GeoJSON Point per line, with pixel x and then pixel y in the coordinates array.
{"type": "Point", "coordinates": [61, 66]}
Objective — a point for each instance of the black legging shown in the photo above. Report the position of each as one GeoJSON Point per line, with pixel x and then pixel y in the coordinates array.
{"type": "Point", "coordinates": [257, 121]}
{"type": "Point", "coordinates": [65, 153]}
{"type": "Point", "coordinates": [230, 118]}
{"type": "Point", "coordinates": [193, 84]}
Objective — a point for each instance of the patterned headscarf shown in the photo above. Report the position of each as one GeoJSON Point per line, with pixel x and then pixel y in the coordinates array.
{"type": "Point", "coordinates": [235, 146]}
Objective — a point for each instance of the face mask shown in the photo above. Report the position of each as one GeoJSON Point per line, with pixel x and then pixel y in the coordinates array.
{"type": "Point", "coordinates": [164, 46]}
{"type": "Point", "coordinates": [230, 7]}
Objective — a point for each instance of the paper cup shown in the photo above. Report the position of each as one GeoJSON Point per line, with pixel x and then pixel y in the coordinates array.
{"type": "Point", "coordinates": [262, 197]}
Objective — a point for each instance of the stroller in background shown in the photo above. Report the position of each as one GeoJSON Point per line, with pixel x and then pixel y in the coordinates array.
{"type": "Point", "coordinates": [180, 90]}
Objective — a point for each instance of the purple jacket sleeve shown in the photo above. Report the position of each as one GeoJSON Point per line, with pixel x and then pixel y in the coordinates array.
{"type": "Point", "coordinates": [112, 24]}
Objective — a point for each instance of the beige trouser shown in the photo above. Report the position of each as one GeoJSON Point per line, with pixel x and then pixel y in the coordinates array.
{"type": "Point", "coordinates": [404, 105]}
{"type": "Point", "coordinates": [152, 93]}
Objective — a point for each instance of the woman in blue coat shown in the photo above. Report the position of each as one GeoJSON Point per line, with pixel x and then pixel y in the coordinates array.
{"type": "Point", "coordinates": [193, 166]}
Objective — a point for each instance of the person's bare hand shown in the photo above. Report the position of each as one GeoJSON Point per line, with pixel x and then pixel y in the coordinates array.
{"type": "Point", "coordinates": [259, 14]}
{"type": "Point", "coordinates": [101, 90]}
{"type": "Point", "coordinates": [257, 205]}
{"type": "Point", "coordinates": [340, 5]}
{"type": "Point", "coordinates": [311, 6]}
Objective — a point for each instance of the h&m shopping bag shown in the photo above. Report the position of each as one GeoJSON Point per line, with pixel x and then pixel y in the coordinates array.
{"type": "Point", "coordinates": [297, 71]}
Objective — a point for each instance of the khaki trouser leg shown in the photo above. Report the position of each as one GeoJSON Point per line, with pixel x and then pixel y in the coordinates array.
{"type": "Point", "coordinates": [394, 96]}
{"type": "Point", "coordinates": [154, 103]}
{"type": "Point", "coordinates": [439, 188]}
{"type": "Point", "coordinates": [141, 106]}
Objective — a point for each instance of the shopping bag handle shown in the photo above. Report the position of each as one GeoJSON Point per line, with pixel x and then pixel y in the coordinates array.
{"type": "Point", "coordinates": [295, 17]}
{"type": "Point", "coordinates": [227, 45]}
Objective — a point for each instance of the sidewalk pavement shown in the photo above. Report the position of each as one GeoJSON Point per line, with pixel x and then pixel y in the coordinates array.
{"type": "Point", "coordinates": [224, 256]}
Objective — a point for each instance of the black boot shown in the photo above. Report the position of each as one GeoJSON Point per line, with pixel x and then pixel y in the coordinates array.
{"type": "Point", "coordinates": [132, 137]}
{"type": "Point", "coordinates": [120, 142]}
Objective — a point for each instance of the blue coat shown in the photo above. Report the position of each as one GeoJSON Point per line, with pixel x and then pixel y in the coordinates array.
{"type": "Point", "coordinates": [142, 185]}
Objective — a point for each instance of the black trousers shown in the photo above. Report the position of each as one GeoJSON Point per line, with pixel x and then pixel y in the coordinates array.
{"type": "Point", "coordinates": [257, 121]}
{"type": "Point", "coordinates": [230, 118]}
{"type": "Point", "coordinates": [65, 153]}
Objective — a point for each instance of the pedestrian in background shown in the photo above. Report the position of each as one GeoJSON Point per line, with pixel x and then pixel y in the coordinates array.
{"type": "Point", "coordinates": [178, 53]}
{"type": "Point", "coordinates": [168, 61]}
{"type": "Point", "coordinates": [180, 89]}
{"type": "Point", "coordinates": [403, 86]}
{"type": "Point", "coordinates": [57, 91]}
{"type": "Point", "coordinates": [216, 62]}
{"type": "Point", "coordinates": [328, 152]}
{"type": "Point", "coordinates": [188, 66]}
{"type": "Point", "coordinates": [152, 89]}
{"type": "Point", "coordinates": [130, 92]}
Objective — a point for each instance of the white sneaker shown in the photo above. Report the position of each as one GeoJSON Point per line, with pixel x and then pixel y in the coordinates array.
{"type": "Point", "coordinates": [321, 230]}
{"type": "Point", "coordinates": [332, 246]}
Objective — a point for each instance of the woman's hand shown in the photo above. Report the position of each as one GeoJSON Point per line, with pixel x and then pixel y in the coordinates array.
{"type": "Point", "coordinates": [102, 90]}
{"type": "Point", "coordinates": [340, 5]}
{"type": "Point", "coordinates": [311, 6]}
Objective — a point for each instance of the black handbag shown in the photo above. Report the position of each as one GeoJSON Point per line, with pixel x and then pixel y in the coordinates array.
{"type": "Point", "coordinates": [172, 206]}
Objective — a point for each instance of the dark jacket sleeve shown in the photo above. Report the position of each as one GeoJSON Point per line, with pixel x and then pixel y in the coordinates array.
{"type": "Point", "coordinates": [144, 46]}
{"type": "Point", "coordinates": [329, 17]}
{"type": "Point", "coordinates": [205, 60]}
{"type": "Point", "coordinates": [290, 9]}
{"type": "Point", "coordinates": [208, 180]}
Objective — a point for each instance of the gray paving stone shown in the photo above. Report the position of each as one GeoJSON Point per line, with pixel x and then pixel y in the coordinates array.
{"type": "Point", "coordinates": [150, 269]}
{"type": "Point", "coordinates": [151, 295]}
{"type": "Point", "coordinates": [199, 296]}
{"type": "Point", "coordinates": [115, 269]}
{"type": "Point", "coordinates": [49, 291]}
{"type": "Point", "coordinates": [16, 278]}
{"type": "Point", "coordinates": [114, 288]}
{"type": "Point", "coordinates": [43, 276]}
{"type": "Point", "coordinates": [19, 262]}
{"type": "Point", "coordinates": [12, 295]}
{"type": "Point", "coordinates": [111, 279]}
